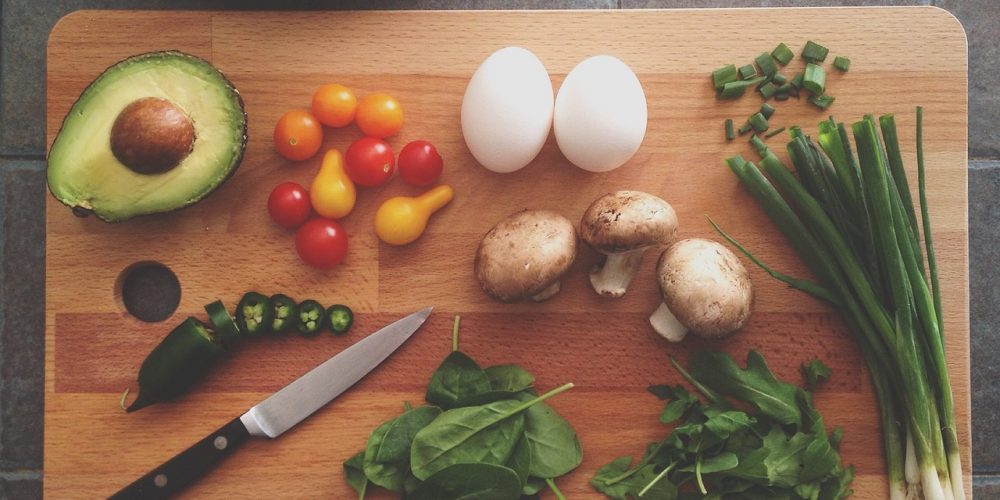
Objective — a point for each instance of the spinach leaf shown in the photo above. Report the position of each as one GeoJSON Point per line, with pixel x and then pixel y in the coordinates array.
{"type": "Point", "coordinates": [480, 434]}
{"type": "Point", "coordinates": [509, 378]}
{"type": "Point", "coordinates": [387, 454]}
{"type": "Point", "coordinates": [555, 447]}
{"type": "Point", "coordinates": [533, 486]}
{"type": "Point", "coordinates": [520, 460]}
{"type": "Point", "coordinates": [458, 377]}
{"type": "Point", "coordinates": [469, 481]}
{"type": "Point", "coordinates": [755, 385]}
{"type": "Point", "coordinates": [354, 472]}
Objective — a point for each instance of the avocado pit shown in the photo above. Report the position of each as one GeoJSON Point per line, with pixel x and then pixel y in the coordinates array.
{"type": "Point", "coordinates": [151, 136]}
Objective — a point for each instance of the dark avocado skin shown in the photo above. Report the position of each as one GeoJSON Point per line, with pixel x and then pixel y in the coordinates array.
{"type": "Point", "coordinates": [80, 211]}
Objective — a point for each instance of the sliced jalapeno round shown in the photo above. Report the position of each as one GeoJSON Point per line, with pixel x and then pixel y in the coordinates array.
{"type": "Point", "coordinates": [310, 318]}
{"type": "Point", "coordinates": [285, 312]}
{"type": "Point", "coordinates": [339, 318]}
{"type": "Point", "coordinates": [225, 327]}
{"type": "Point", "coordinates": [254, 314]}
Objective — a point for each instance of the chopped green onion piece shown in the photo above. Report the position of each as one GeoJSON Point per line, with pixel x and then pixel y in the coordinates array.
{"type": "Point", "coordinates": [768, 90]}
{"type": "Point", "coordinates": [841, 63]}
{"type": "Point", "coordinates": [814, 52]}
{"type": "Point", "coordinates": [767, 110]}
{"type": "Point", "coordinates": [730, 131]}
{"type": "Point", "coordinates": [797, 80]}
{"type": "Point", "coordinates": [724, 75]}
{"type": "Point", "coordinates": [822, 101]}
{"type": "Point", "coordinates": [774, 132]}
{"type": "Point", "coordinates": [758, 144]}
{"type": "Point", "coordinates": [766, 64]}
{"type": "Point", "coordinates": [815, 79]}
{"type": "Point", "coordinates": [735, 89]}
{"type": "Point", "coordinates": [782, 54]}
{"type": "Point", "coordinates": [758, 122]}
{"type": "Point", "coordinates": [779, 79]}
{"type": "Point", "coordinates": [746, 127]}
{"type": "Point", "coordinates": [794, 131]}
{"type": "Point", "coordinates": [781, 95]}
{"type": "Point", "coordinates": [747, 72]}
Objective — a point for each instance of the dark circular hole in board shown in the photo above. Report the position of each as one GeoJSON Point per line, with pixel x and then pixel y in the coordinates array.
{"type": "Point", "coordinates": [150, 292]}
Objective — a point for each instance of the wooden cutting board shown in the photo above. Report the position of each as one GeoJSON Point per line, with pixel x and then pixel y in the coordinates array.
{"type": "Point", "coordinates": [226, 245]}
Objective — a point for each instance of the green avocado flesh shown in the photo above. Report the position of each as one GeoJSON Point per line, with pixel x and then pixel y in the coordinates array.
{"type": "Point", "coordinates": [84, 174]}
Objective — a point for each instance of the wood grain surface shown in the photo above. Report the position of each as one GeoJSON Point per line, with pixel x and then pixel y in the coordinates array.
{"type": "Point", "coordinates": [226, 245]}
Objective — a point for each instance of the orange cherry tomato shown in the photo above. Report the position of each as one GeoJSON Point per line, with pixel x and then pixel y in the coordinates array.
{"type": "Point", "coordinates": [379, 115]}
{"type": "Point", "coordinates": [334, 105]}
{"type": "Point", "coordinates": [298, 135]}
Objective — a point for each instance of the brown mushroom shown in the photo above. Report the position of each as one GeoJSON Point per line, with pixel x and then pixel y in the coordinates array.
{"type": "Point", "coordinates": [706, 290]}
{"type": "Point", "coordinates": [525, 255]}
{"type": "Point", "coordinates": [622, 226]}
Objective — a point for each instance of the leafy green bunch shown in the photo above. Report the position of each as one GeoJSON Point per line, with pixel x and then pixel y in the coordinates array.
{"type": "Point", "coordinates": [485, 435]}
{"type": "Point", "coordinates": [719, 451]}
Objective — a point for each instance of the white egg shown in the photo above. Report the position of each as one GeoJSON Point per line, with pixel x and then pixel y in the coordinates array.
{"type": "Point", "coordinates": [600, 114]}
{"type": "Point", "coordinates": [507, 110]}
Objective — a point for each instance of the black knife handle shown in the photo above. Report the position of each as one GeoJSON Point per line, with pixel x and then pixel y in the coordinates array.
{"type": "Point", "coordinates": [186, 467]}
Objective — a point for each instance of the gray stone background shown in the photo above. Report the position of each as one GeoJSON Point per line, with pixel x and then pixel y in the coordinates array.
{"type": "Point", "coordinates": [23, 33]}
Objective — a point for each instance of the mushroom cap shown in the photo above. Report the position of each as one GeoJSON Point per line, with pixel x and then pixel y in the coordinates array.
{"type": "Point", "coordinates": [524, 254]}
{"type": "Point", "coordinates": [705, 286]}
{"type": "Point", "coordinates": [628, 220]}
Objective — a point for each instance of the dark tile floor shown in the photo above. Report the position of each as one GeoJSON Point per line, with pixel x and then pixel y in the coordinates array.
{"type": "Point", "coordinates": [24, 26]}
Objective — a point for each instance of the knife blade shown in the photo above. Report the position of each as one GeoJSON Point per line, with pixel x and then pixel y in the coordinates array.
{"type": "Point", "coordinates": [278, 412]}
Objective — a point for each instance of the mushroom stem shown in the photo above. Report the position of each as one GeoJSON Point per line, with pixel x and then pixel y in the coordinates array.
{"type": "Point", "coordinates": [667, 325]}
{"type": "Point", "coordinates": [612, 277]}
{"type": "Point", "coordinates": [547, 293]}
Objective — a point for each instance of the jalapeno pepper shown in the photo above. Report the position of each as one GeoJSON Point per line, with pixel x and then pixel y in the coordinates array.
{"type": "Point", "coordinates": [180, 359]}
{"type": "Point", "coordinates": [310, 318]}
{"type": "Point", "coordinates": [285, 312]}
{"type": "Point", "coordinates": [254, 314]}
{"type": "Point", "coordinates": [225, 328]}
{"type": "Point", "coordinates": [339, 318]}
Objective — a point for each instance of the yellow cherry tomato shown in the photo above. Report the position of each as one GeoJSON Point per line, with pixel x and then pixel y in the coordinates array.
{"type": "Point", "coordinates": [332, 192]}
{"type": "Point", "coordinates": [402, 219]}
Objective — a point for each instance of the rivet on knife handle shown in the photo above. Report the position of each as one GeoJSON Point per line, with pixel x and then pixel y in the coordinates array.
{"type": "Point", "coordinates": [189, 465]}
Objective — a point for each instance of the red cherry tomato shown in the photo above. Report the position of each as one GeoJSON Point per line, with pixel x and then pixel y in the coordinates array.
{"type": "Point", "coordinates": [369, 161]}
{"type": "Point", "coordinates": [321, 243]}
{"type": "Point", "coordinates": [419, 163]}
{"type": "Point", "coordinates": [289, 205]}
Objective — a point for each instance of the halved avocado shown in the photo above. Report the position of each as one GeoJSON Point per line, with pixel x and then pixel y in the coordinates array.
{"type": "Point", "coordinates": [153, 133]}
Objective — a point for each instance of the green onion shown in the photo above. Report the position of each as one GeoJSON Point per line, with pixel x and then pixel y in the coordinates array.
{"type": "Point", "coordinates": [848, 219]}
{"type": "Point", "coordinates": [841, 63]}
{"type": "Point", "coordinates": [735, 89]}
{"type": "Point", "coordinates": [758, 144]}
{"type": "Point", "coordinates": [779, 79]}
{"type": "Point", "coordinates": [767, 110]}
{"type": "Point", "coordinates": [774, 132]}
{"type": "Point", "coordinates": [758, 122]}
{"type": "Point", "coordinates": [814, 52]}
{"type": "Point", "coordinates": [782, 54]}
{"type": "Point", "coordinates": [730, 131]}
{"type": "Point", "coordinates": [766, 64]}
{"type": "Point", "coordinates": [768, 90]}
{"type": "Point", "coordinates": [797, 80]}
{"type": "Point", "coordinates": [822, 101]}
{"type": "Point", "coordinates": [747, 72]}
{"type": "Point", "coordinates": [724, 75]}
{"type": "Point", "coordinates": [746, 127]}
{"type": "Point", "coordinates": [815, 79]}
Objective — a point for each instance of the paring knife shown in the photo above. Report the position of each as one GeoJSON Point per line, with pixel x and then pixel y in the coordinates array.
{"type": "Point", "coordinates": [279, 412]}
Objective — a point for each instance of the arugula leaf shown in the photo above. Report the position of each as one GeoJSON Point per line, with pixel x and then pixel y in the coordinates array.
{"type": "Point", "coordinates": [458, 377]}
{"type": "Point", "coordinates": [815, 373]}
{"type": "Point", "coordinates": [354, 473]}
{"type": "Point", "coordinates": [785, 458]}
{"type": "Point", "coordinates": [724, 423]}
{"type": "Point", "coordinates": [755, 385]}
{"type": "Point", "coordinates": [718, 463]}
{"type": "Point", "coordinates": [630, 487]}
{"type": "Point", "coordinates": [680, 401]}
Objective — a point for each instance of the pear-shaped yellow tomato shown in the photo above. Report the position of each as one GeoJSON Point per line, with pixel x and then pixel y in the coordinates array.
{"type": "Point", "coordinates": [332, 192]}
{"type": "Point", "coordinates": [402, 219]}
